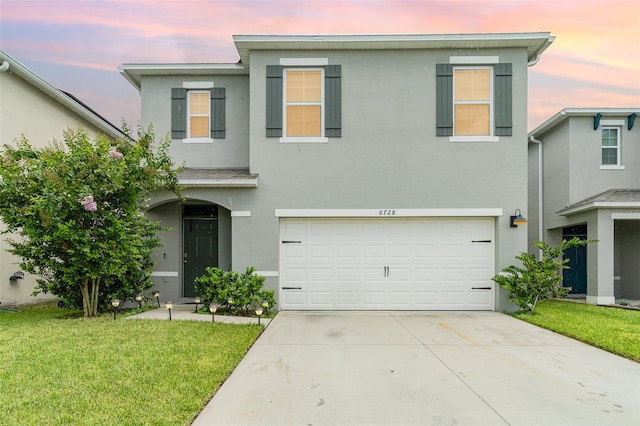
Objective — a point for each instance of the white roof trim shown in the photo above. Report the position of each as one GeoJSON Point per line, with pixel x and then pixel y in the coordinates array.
{"type": "Point", "coordinates": [581, 112]}
{"type": "Point", "coordinates": [219, 183]}
{"type": "Point", "coordinates": [389, 213]}
{"type": "Point", "coordinates": [134, 72]}
{"type": "Point", "coordinates": [39, 83]}
{"type": "Point", "coordinates": [600, 205]}
{"type": "Point", "coordinates": [535, 43]}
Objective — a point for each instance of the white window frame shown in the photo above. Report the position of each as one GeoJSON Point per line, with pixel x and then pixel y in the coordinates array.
{"type": "Point", "coordinates": [618, 147]}
{"type": "Point", "coordinates": [189, 138]}
{"type": "Point", "coordinates": [476, 138]}
{"type": "Point", "coordinates": [302, 139]}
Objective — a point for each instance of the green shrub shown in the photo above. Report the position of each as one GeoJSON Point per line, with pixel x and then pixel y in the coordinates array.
{"type": "Point", "coordinates": [538, 279]}
{"type": "Point", "coordinates": [234, 291]}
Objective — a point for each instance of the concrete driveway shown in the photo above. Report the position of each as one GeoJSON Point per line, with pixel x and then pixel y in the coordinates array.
{"type": "Point", "coordinates": [427, 368]}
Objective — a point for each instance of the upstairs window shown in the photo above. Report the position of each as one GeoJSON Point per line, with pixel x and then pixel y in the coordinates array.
{"type": "Point", "coordinates": [304, 100]}
{"type": "Point", "coordinates": [199, 117]}
{"type": "Point", "coordinates": [303, 103]}
{"type": "Point", "coordinates": [472, 101]}
{"type": "Point", "coordinates": [610, 146]}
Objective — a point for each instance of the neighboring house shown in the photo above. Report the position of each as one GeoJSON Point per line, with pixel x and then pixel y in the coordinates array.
{"type": "Point", "coordinates": [353, 171]}
{"type": "Point", "coordinates": [584, 181]}
{"type": "Point", "coordinates": [31, 107]}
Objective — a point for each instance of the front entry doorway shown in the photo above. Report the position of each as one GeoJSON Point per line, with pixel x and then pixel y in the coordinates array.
{"type": "Point", "coordinates": [200, 243]}
{"type": "Point", "coordinates": [576, 276]}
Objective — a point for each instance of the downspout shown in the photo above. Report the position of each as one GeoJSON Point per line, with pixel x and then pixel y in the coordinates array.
{"type": "Point", "coordinates": [540, 190]}
{"type": "Point", "coordinates": [4, 66]}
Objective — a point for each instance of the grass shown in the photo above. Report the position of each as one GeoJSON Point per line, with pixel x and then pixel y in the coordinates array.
{"type": "Point", "coordinates": [57, 368]}
{"type": "Point", "coordinates": [612, 329]}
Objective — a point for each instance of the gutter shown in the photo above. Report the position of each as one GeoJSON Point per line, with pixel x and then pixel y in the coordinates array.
{"type": "Point", "coordinates": [540, 190]}
{"type": "Point", "coordinates": [4, 66]}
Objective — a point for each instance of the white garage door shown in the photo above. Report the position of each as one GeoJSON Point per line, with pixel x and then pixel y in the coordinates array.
{"type": "Point", "coordinates": [388, 264]}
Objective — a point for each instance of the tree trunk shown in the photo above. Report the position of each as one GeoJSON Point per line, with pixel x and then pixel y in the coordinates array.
{"type": "Point", "coordinates": [86, 300]}
{"type": "Point", "coordinates": [90, 297]}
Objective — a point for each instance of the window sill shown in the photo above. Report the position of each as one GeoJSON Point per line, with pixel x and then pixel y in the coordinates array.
{"type": "Point", "coordinates": [304, 140]}
{"type": "Point", "coordinates": [198, 140]}
{"type": "Point", "coordinates": [474, 139]}
{"type": "Point", "coordinates": [612, 167]}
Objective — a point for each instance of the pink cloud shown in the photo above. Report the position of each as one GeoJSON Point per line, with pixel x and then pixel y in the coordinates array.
{"type": "Point", "coordinates": [594, 55]}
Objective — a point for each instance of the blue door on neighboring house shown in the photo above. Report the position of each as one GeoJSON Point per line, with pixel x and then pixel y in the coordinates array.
{"type": "Point", "coordinates": [576, 276]}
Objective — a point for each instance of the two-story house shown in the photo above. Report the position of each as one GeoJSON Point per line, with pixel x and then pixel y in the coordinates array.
{"type": "Point", "coordinates": [33, 108]}
{"type": "Point", "coordinates": [584, 181]}
{"type": "Point", "coordinates": [353, 171]}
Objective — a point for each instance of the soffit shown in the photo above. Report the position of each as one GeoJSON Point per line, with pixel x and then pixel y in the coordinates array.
{"type": "Point", "coordinates": [134, 72]}
{"type": "Point", "coordinates": [535, 43]}
{"type": "Point", "coordinates": [580, 112]}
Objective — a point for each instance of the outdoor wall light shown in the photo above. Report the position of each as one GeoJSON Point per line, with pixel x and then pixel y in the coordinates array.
{"type": "Point", "coordinates": [517, 219]}
{"type": "Point", "coordinates": [156, 294]}
{"type": "Point", "coordinates": [169, 306]}
{"type": "Point", "coordinates": [197, 300]}
{"type": "Point", "coordinates": [139, 300]}
{"type": "Point", "coordinates": [115, 303]}
{"type": "Point", "coordinates": [259, 314]}
{"type": "Point", "coordinates": [18, 275]}
{"type": "Point", "coordinates": [213, 308]}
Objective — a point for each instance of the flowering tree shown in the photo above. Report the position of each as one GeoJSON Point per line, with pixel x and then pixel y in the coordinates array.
{"type": "Point", "coordinates": [78, 209]}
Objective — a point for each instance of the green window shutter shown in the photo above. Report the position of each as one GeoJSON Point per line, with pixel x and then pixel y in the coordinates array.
{"type": "Point", "coordinates": [274, 101]}
{"type": "Point", "coordinates": [444, 100]}
{"type": "Point", "coordinates": [503, 99]}
{"type": "Point", "coordinates": [332, 101]}
{"type": "Point", "coordinates": [178, 113]}
{"type": "Point", "coordinates": [217, 113]}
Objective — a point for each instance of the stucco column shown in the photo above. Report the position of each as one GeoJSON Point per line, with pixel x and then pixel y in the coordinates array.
{"type": "Point", "coordinates": [600, 257]}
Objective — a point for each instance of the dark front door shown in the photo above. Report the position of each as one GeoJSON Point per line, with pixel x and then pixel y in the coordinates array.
{"type": "Point", "coordinates": [576, 276]}
{"type": "Point", "coordinates": [200, 249]}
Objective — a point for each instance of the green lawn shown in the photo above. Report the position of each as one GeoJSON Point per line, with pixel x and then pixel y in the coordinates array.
{"type": "Point", "coordinates": [612, 329]}
{"type": "Point", "coordinates": [58, 369]}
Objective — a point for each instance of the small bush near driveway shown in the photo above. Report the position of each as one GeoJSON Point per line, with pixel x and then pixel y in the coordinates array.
{"type": "Point", "coordinates": [60, 369]}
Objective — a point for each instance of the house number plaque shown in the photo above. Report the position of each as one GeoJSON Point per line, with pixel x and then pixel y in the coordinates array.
{"type": "Point", "coordinates": [387, 212]}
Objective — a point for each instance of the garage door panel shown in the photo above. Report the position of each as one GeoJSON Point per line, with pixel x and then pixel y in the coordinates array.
{"type": "Point", "coordinates": [319, 298]}
{"type": "Point", "coordinates": [479, 297]}
{"type": "Point", "coordinates": [347, 298]}
{"type": "Point", "coordinates": [374, 299]}
{"type": "Point", "coordinates": [397, 263]}
{"type": "Point", "coordinates": [348, 274]}
{"type": "Point", "coordinates": [295, 298]}
{"type": "Point", "coordinates": [427, 273]}
{"type": "Point", "coordinates": [295, 275]}
{"type": "Point", "coordinates": [400, 299]}
{"type": "Point", "coordinates": [321, 231]}
{"type": "Point", "coordinates": [373, 252]}
{"type": "Point", "coordinates": [427, 299]}
{"type": "Point", "coordinates": [321, 275]}
{"type": "Point", "coordinates": [346, 252]}
{"type": "Point", "coordinates": [400, 252]}
{"type": "Point", "coordinates": [294, 251]}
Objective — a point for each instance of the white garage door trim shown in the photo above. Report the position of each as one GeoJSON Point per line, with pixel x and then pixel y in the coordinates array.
{"type": "Point", "coordinates": [389, 212]}
{"type": "Point", "coordinates": [401, 263]}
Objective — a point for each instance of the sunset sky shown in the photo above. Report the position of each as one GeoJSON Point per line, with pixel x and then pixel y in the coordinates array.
{"type": "Point", "coordinates": [77, 45]}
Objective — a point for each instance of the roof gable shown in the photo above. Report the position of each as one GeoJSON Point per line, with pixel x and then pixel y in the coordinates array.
{"type": "Point", "coordinates": [9, 64]}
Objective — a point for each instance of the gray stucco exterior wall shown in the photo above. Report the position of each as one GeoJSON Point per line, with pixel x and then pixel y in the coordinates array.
{"type": "Point", "coordinates": [387, 157]}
